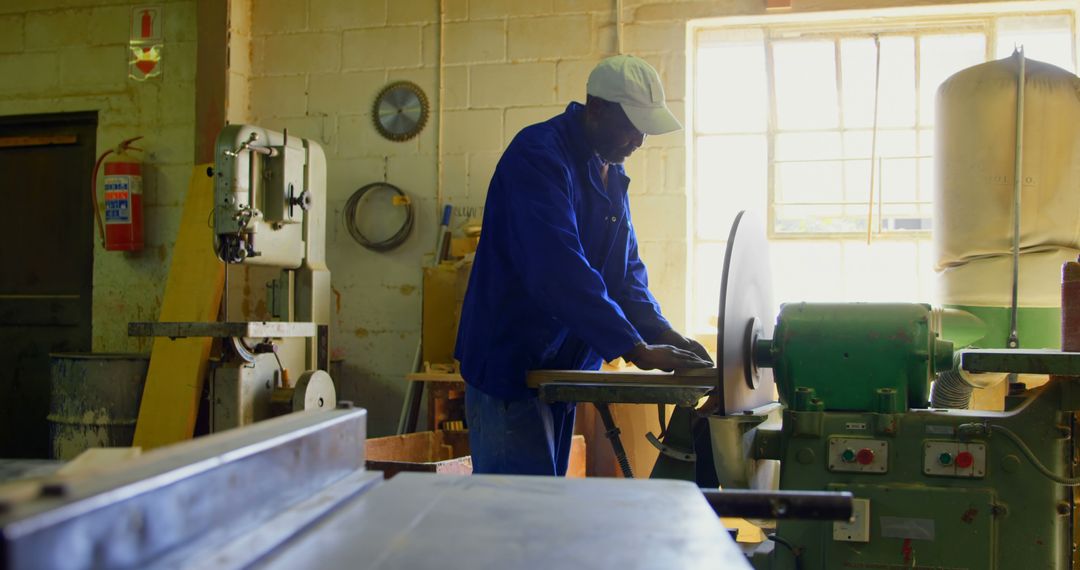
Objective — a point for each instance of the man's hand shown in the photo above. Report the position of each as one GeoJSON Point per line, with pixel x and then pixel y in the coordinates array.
{"type": "Point", "coordinates": [677, 340]}
{"type": "Point", "coordinates": [664, 357]}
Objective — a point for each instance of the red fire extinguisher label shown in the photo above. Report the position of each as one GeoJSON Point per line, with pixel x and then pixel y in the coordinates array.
{"type": "Point", "coordinates": [118, 192]}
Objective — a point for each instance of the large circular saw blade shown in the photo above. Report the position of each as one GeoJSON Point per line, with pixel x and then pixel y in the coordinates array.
{"type": "Point", "coordinates": [746, 314]}
{"type": "Point", "coordinates": [401, 111]}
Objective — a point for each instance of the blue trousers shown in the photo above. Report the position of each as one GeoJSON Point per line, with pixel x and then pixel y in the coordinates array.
{"type": "Point", "coordinates": [518, 437]}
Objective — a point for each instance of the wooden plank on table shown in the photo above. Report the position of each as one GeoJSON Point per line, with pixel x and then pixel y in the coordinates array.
{"type": "Point", "coordinates": [97, 460]}
{"type": "Point", "coordinates": [698, 377]}
{"type": "Point", "coordinates": [19, 491]}
{"type": "Point", "coordinates": [174, 382]}
{"type": "Point", "coordinates": [538, 377]}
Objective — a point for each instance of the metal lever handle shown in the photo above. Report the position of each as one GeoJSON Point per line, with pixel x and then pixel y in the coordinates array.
{"type": "Point", "coordinates": [786, 505]}
{"type": "Point", "coordinates": [248, 145]}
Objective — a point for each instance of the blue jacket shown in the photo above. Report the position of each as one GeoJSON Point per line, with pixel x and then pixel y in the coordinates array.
{"type": "Point", "coordinates": [557, 282]}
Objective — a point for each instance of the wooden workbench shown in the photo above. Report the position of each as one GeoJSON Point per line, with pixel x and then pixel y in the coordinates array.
{"type": "Point", "coordinates": [445, 399]}
{"type": "Point", "coordinates": [697, 377]}
{"type": "Point", "coordinates": [445, 389]}
{"type": "Point", "coordinates": [684, 388]}
{"type": "Point", "coordinates": [634, 421]}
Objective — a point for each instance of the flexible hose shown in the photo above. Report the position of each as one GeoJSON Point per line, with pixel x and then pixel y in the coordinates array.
{"type": "Point", "coordinates": [985, 429]}
{"type": "Point", "coordinates": [951, 391]}
{"type": "Point", "coordinates": [391, 242]}
{"type": "Point", "coordinates": [93, 196]}
{"type": "Point", "coordinates": [796, 553]}
{"type": "Point", "coordinates": [1067, 481]}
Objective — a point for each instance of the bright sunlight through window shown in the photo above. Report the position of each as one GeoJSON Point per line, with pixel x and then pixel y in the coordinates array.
{"type": "Point", "coordinates": [825, 130]}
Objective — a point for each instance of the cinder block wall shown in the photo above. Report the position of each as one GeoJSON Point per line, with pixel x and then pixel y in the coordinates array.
{"type": "Point", "coordinates": [318, 64]}
{"type": "Point", "coordinates": [314, 66]}
{"type": "Point", "coordinates": [61, 56]}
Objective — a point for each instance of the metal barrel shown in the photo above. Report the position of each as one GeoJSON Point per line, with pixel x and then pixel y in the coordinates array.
{"type": "Point", "coordinates": [787, 505]}
{"type": "Point", "coordinates": [94, 400]}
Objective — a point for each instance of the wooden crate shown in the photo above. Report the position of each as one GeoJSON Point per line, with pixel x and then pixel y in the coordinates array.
{"type": "Point", "coordinates": [441, 452]}
{"type": "Point", "coordinates": [426, 451]}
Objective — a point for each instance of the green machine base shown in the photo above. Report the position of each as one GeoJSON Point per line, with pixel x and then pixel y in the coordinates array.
{"type": "Point", "coordinates": [934, 489]}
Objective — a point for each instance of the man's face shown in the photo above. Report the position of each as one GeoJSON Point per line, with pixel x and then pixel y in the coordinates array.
{"type": "Point", "coordinates": [610, 132]}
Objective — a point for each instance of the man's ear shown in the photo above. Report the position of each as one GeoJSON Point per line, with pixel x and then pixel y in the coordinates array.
{"type": "Point", "coordinates": [595, 108]}
{"type": "Point", "coordinates": [592, 105]}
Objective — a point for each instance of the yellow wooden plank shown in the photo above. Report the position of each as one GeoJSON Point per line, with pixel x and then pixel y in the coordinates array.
{"type": "Point", "coordinates": [174, 382]}
{"type": "Point", "coordinates": [444, 292]}
{"type": "Point", "coordinates": [748, 531]}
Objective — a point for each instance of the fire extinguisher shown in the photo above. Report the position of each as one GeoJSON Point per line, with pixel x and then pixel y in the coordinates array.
{"type": "Point", "coordinates": [123, 226]}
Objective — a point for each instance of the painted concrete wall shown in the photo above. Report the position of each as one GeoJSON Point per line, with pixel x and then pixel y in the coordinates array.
{"type": "Point", "coordinates": [314, 66]}
{"type": "Point", "coordinates": [317, 66]}
{"type": "Point", "coordinates": [59, 56]}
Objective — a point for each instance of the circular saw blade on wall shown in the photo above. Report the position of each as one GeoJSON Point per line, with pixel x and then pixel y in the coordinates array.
{"type": "Point", "coordinates": [400, 111]}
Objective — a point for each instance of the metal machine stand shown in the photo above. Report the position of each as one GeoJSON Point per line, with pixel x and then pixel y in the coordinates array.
{"type": "Point", "coordinates": [942, 488]}
{"type": "Point", "coordinates": [612, 433]}
{"type": "Point", "coordinates": [269, 211]}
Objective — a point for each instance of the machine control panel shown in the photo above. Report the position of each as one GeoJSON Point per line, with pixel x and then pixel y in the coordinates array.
{"type": "Point", "coordinates": [858, 455]}
{"type": "Point", "coordinates": [858, 528]}
{"type": "Point", "coordinates": [954, 459]}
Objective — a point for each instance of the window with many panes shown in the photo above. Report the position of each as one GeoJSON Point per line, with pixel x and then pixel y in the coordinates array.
{"type": "Point", "coordinates": [823, 127]}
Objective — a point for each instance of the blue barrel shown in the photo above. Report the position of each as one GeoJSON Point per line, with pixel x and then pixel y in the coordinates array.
{"type": "Point", "coordinates": [94, 400]}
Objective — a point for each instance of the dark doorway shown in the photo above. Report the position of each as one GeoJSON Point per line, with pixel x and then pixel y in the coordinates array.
{"type": "Point", "coordinates": [47, 255]}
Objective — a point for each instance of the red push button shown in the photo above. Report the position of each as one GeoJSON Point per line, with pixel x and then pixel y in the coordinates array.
{"type": "Point", "coordinates": [964, 459]}
{"type": "Point", "coordinates": [865, 456]}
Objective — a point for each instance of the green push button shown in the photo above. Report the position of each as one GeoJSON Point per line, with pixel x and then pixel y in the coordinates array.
{"type": "Point", "coordinates": [945, 458]}
{"type": "Point", "coordinates": [848, 456]}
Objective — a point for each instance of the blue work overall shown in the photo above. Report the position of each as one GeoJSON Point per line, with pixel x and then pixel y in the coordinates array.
{"type": "Point", "coordinates": [557, 284]}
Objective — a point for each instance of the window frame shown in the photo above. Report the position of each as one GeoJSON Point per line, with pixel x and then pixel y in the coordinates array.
{"type": "Point", "coordinates": [920, 20]}
{"type": "Point", "coordinates": [834, 26]}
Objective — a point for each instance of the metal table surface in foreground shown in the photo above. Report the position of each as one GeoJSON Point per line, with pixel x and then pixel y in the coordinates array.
{"type": "Point", "coordinates": [292, 492]}
{"type": "Point", "coordinates": [199, 492]}
{"type": "Point", "coordinates": [419, 520]}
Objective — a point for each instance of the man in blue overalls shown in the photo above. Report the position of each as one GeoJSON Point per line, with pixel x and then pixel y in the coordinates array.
{"type": "Point", "coordinates": [557, 282]}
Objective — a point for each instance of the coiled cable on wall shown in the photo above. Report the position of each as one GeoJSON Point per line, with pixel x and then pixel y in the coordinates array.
{"type": "Point", "coordinates": [400, 199]}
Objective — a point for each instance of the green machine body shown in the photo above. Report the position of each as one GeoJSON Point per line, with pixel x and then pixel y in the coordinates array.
{"type": "Point", "coordinates": [874, 357]}
{"type": "Point", "coordinates": [934, 488]}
